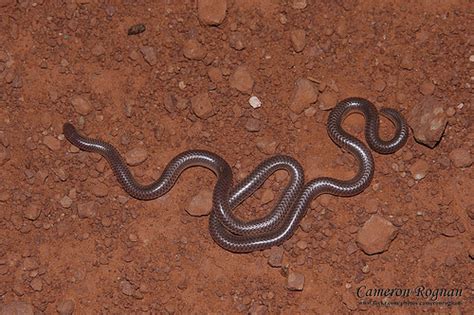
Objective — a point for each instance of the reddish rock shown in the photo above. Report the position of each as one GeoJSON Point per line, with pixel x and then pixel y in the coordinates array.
{"type": "Point", "coordinates": [304, 95]}
{"type": "Point", "coordinates": [295, 281]}
{"type": "Point", "coordinates": [136, 156]}
{"type": "Point", "coordinates": [253, 125]}
{"type": "Point", "coordinates": [65, 307]}
{"type": "Point", "coordinates": [419, 169]}
{"type": "Point", "coordinates": [32, 212]}
{"type": "Point", "coordinates": [215, 74]}
{"type": "Point", "coordinates": [276, 256]}
{"type": "Point", "coordinates": [52, 143]}
{"type": "Point", "coordinates": [460, 157]}
{"type": "Point", "coordinates": [202, 106]}
{"type": "Point", "coordinates": [298, 39]}
{"type": "Point", "coordinates": [242, 80]}
{"type": "Point", "coordinates": [17, 308]}
{"type": "Point", "coordinates": [428, 120]}
{"type": "Point", "coordinates": [201, 204]}
{"type": "Point", "coordinates": [149, 54]}
{"type": "Point", "coordinates": [236, 41]}
{"type": "Point", "coordinates": [376, 235]}
{"type": "Point", "coordinates": [212, 12]}
{"type": "Point", "coordinates": [427, 88]}
{"type": "Point", "coordinates": [194, 50]}
{"type": "Point", "coordinates": [267, 145]}
{"type": "Point", "coordinates": [86, 210]}
{"type": "Point", "coordinates": [100, 189]}
{"type": "Point", "coordinates": [81, 105]}
{"type": "Point", "coordinates": [327, 100]}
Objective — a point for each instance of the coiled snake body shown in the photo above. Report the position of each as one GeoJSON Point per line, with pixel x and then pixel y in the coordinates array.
{"type": "Point", "coordinates": [226, 229]}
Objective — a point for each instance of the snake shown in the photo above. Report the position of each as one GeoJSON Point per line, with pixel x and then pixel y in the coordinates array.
{"type": "Point", "coordinates": [244, 236]}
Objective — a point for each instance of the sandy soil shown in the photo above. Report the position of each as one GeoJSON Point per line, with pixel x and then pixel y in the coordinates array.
{"type": "Point", "coordinates": [72, 241]}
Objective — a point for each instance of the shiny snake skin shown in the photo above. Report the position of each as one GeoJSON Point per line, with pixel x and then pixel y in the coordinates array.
{"type": "Point", "coordinates": [236, 235]}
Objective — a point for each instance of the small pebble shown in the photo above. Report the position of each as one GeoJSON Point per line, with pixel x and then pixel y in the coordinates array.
{"type": "Point", "coordinates": [86, 210]}
{"type": "Point", "coordinates": [81, 105]}
{"type": "Point", "coordinates": [194, 50]}
{"type": "Point", "coordinates": [276, 256]}
{"type": "Point", "coordinates": [298, 39]}
{"type": "Point", "coordinates": [212, 12]}
{"type": "Point", "coordinates": [460, 157]}
{"type": "Point", "coordinates": [242, 80]}
{"type": "Point", "coordinates": [299, 4]}
{"type": "Point", "coordinates": [202, 106]}
{"type": "Point", "coordinates": [149, 54]}
{"type": "Point", "coordinates": [302, 244]}
{"type": "Point", "coordinates": [327, 100]}
{"type": "Point", "coordinates": [66, 202]}
{"type": "Point", "coordinates": [419, 169]}
{"type": "Point", "coordinates": [427, 88]}
{"type": "Point", "coordinates": [127, 288]}
{"type": "Point", "coordinates": [428, 121]}
{"type": "Point", "coordinates": [215, 75]}
{"type": "Point", "coordinates": [379, 85]}
{"type": "Point", "coordinates": [32, 212]}
{"type": "Point", "coordinates": [136, 29]}
{"type": "Point", "coordinates": [255, 102]}
{"type": "Point", "coordinates": [304, 94]}
{"type": "Point", "coordinates": [136, 156]}
{"type": "Point", "coordinates": [295, 281]}
{"type": "Point", "coordinates": [66, 307]}
{"type": "Point", "coordinates": [100, 189]}
{"type": "Point", "coordinates": [52, 143]}
{"type": "Point", "coordinates": [201, 204]}
{"type": "Point", "coordinates": [253, 125]}
{"type": "Point", "coordinates": [36, 284]}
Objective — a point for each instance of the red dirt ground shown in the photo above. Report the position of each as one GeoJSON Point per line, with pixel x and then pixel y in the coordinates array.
{"type": "Point", "coordinates": [71, 240]}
